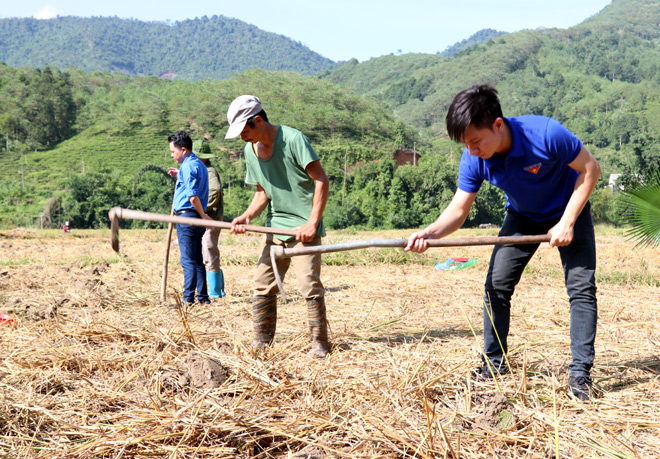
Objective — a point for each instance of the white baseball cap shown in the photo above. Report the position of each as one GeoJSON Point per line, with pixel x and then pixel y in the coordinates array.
{"type": "Point", "coordinates": [240, 111]}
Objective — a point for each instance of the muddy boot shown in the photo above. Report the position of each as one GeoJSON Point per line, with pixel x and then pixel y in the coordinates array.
{"type": "Point", "coordinates": [318, 328]}
{"type": "Point", "coordinates": [264, 320]}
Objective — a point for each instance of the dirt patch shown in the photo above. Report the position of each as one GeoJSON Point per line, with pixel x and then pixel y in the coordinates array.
{"type": "Point", "coordinates": [204, 373]}
{"type": "Point", "coordinates": [18, 233]}
{"type": "Point", "coordinates": [497, 412]}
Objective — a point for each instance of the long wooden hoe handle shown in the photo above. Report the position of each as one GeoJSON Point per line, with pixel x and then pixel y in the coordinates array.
{"type": "Point", "coordinates": [168, 243]}
{"type": "Point", "coordinates": [280, 252]}
{"type": "Point", "coordinates": [117, 213]}
{"type": "Point", "coordinates": [458, 242]}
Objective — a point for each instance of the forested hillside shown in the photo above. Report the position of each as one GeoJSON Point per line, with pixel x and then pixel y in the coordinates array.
{"type": "Point", "coordinates": [112, 149]}
{"type": "Point", "coordinates": [478, 38]}
{"type": "Point", "coordinates": [73, 144]}
{"type": "Point", "coordinates": [214, 47]}
{"type": "Point", "coordinates": [600, 78]}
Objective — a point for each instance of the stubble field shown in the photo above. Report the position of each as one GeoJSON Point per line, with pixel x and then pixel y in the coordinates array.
{"type": "Point", "coordinates": [94, 366]}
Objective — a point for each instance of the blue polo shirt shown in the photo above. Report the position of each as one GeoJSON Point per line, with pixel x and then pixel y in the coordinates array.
{"type": "Point", "coordinates": [192, 180]}
{"type": "Point", "coordinates": [534, 175]}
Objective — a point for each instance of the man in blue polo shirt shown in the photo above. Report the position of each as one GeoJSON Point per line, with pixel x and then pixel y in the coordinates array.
{"type": "Point", "coordinates": [547, 176]}
{"type": "Point", "coordinates": [190, 199]}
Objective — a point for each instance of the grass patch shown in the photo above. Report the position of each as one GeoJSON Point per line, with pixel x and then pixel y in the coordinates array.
{"type": "Point", "coordinates": [376, 256]}
{"type": "Point", "coordinates": [627, 278]}
{"type": "Point", "coordinates": [89, 260]}
{"type": "Point", "coordinates": [238, 259]}
{"type": "Point", "coordinates": [22, 261]}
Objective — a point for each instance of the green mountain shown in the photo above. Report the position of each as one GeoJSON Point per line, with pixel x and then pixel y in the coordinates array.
{"type": "Point", "coordinates": [214, 47]}
{"type": "Point", "coordinates": [84, 142]}
{"type": "Point", "coordinates": [478, 38]}
{"type": "Point", "coordinates": [601, 78]}
{"type": "Point", "coordinates": [81, 143]}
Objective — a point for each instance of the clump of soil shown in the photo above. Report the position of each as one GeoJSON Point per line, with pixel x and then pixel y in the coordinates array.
{"type": "Point", "coordinates": [497, 413]}
{"type": "Point", "coordinates": [204, 373]}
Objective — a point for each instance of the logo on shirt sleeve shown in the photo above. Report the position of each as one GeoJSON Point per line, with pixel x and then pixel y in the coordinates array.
{"type": "Point", "coordinates": [534, 168]}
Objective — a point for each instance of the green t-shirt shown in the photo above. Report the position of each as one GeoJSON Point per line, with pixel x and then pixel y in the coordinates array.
{"type": "Point", "coordinates": [285, 180]}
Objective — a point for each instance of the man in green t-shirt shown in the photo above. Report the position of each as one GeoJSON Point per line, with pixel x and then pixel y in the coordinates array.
{"type": "Point", "coordinates": [293, 187]}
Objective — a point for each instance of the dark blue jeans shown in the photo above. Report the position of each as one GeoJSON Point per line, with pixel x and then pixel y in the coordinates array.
{"type": "Point", "coordinates": [192, 262]}
{"type": "Point", "coordinates": [506, 266]}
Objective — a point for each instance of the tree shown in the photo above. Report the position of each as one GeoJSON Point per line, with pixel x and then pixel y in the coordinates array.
{"type": "Point", "coordinates": [90, 197]}
{"type": "Point", "coordinates": [152, 191]}
{"type": "Point", "coordinates": [400, 213]}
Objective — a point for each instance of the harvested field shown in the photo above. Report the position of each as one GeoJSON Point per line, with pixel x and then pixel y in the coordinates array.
{"type": "Point", "coordinates": [93, 366]}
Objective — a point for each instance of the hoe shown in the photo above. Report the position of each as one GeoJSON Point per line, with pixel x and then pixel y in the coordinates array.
{"type": "Point", "coordinates": [117, 213]}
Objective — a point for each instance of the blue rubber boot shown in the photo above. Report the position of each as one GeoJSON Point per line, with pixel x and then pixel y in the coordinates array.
{"type": "Point", "coordinates": [216, 284]}
{"type": "Point", "coordinates": [221, 284]}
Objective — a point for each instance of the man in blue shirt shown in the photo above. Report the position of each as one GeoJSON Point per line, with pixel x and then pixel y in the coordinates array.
{"type": "Point", "coordinates": [547, 176]}
{"type": "Point", "coordinates": [190, 199]}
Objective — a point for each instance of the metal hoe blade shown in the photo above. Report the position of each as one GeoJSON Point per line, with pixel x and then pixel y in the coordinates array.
{"type": "Point", "coordinates": [273, 262]}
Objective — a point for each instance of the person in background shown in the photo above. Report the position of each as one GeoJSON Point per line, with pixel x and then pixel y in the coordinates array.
{"type": "Point", "coordinates": [210, 251]}
{"type": "Point", "coordinates": [292, 185]}
{"type": "Point", "coordinates": [66, 228]}
{"type": "Point", "coordinates": [190, 199]}
{"type": "Point", "coordinates": [548, 177]}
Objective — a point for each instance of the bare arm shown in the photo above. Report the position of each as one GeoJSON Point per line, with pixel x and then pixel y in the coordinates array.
{"type": "Point", "coordinates": [307, 232]}
{"type": "Point", "coordinates": [586, 164]}
{"type": "Point", "coordinates": [258, 204]}
{"type": "Point", "coordinates": [449, 221]}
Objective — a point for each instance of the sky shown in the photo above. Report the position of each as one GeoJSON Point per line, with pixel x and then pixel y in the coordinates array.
{"type": "Point", "coordinates": [341, 29]}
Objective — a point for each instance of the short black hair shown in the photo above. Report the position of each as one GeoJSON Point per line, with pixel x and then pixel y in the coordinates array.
{"type": "Point", "coordinates": [478, 106]}
{"type": "Point", "coordinates": [181, 139]}
{"type": "Point", "coordinates": [262, 114]}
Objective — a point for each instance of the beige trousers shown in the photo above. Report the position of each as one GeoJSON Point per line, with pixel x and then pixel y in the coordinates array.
{"type": "Point", "coordinates": [307, 268]}
{"type": "Point", "coordinates": [210, 250]}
